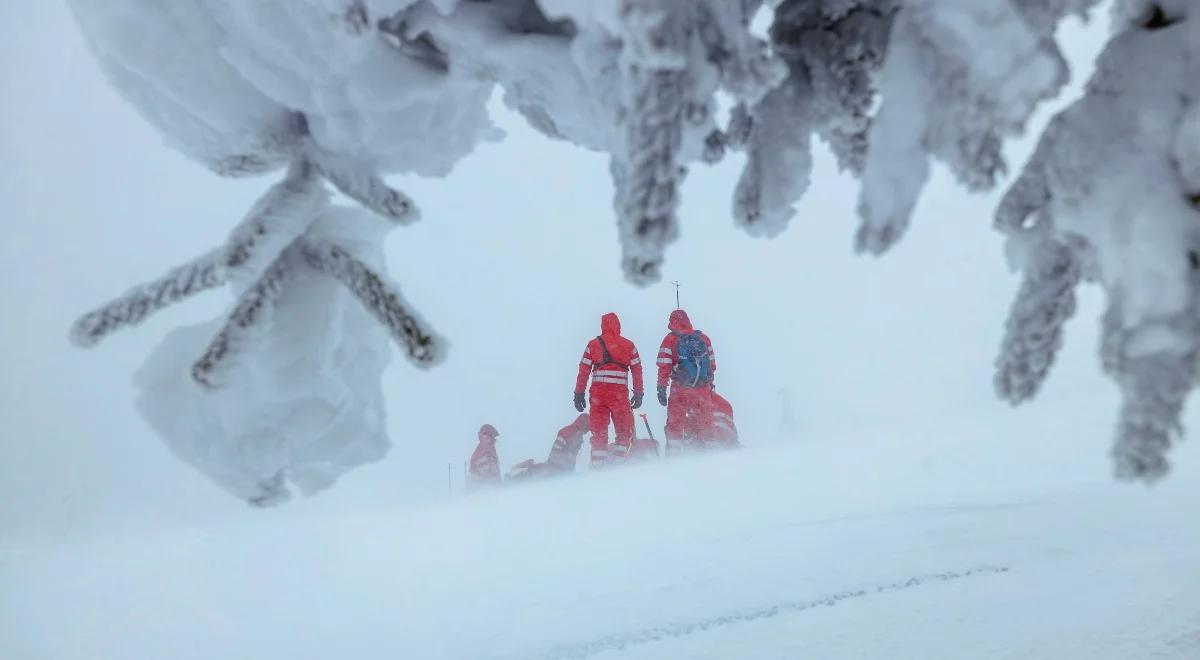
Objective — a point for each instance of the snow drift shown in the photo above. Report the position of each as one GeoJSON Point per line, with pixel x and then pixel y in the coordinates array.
{"type": "Point", "coordinates": [773, 557]}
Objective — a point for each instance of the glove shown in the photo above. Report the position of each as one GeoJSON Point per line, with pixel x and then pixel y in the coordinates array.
{"type": "Point", "coordinates": [579, 404]}
{"type": "Point", "coordinates": [636, 401]}
{"type": "Point", "coordinates": [662, 396]}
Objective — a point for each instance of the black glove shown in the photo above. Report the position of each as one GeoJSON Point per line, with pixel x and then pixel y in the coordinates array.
{"type": "Point", "coordinates": [636, 401]}
{"type": "Point", "coordinates": [662, 396]}
{"type": "Point", "coordinates": [579, 404]}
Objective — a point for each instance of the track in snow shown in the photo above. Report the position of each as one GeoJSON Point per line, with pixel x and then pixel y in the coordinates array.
{"type": "Point", "coordinates": [621, 641]}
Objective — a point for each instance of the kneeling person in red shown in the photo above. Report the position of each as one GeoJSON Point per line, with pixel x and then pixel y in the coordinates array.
{"type": "Point", "coordinates": [563, 453]}
{"type": "Point", "coordinates": [608, 359]}
{"type": "Point", "coordinates": [723, 433]}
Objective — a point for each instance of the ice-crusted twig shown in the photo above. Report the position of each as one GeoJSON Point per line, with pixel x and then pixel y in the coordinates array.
{"type": "Point", "coordinates": [381, 298]}
{"type": "Point", "coordinates": [277, 219]}
{"type": "Point", "coordinates": [253, 310]}
{"type": "Point", "coordinates": [200, 274]}
{"type": "Point", "coordinates": [1034, 330]}
{"type": "Point", "coordinates": [365, 187]}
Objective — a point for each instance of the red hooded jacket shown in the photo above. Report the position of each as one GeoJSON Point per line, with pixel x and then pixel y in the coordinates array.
{"type": "Point", "coordinates": [667, 357]}
{"type": "Point", "coordinates": [623, 354]}
{"type": "Point", "coordinates": [485, 463]}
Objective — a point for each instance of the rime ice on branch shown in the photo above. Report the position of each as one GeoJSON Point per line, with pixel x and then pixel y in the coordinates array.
{"type": "Point", "coordinates": [346, 91]}
{"type": "Point", "coordinates": [1117, 173]}
{"type": "Point", "coordinates": [276, 258]}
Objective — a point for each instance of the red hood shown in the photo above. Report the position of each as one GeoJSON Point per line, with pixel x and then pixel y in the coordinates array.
{"type": "Point", "coordinates": [610, 325]}
{"type": "Point", "coordinates": [487, 432]}
{"type": "Point", "coordinates": [679, 322]}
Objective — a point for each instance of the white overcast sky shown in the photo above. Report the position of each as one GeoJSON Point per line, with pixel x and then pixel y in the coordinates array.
{"type": "Point", "coordinates": [515, 261]}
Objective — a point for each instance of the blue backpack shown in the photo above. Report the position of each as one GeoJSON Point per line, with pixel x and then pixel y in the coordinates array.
{"type": "Point", "coordinates": [694, 369]}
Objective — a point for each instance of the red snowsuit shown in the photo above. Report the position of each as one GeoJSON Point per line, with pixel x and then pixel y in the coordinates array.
{"type": "Point", "coordinates": [689, 409]}
{"type": "Point", "coordinates": [566, 446]}
{"type": "Point", "coordinates": [562, 457]}
{"type": "Point", "coordinates": [609, 396]}
{"type": "Point", "coordinates": [484, 467]}
{"type": "Point", "coordinates": [723, 433]}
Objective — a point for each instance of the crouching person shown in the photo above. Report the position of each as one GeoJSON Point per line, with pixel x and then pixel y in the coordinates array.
{"type": "Point", "coordinates": [723, 433]}
{"type": "Point", "coordinates": [484, 468]}
{"type": "Point", "coordinates": [563, 454]}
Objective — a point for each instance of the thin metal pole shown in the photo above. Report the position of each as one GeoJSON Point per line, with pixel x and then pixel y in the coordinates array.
{"type": "Point", "coordinates": [677, 285]}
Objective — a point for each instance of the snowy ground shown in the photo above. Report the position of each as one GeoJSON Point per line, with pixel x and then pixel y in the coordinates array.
{"type": "Point", "coordinates": [769, 553]}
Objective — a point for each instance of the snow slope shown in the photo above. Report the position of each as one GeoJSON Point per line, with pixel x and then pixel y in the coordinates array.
{"type": "Point", "coordinates": [767, 553]}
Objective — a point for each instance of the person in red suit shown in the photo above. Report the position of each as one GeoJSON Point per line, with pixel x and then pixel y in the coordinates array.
{"type": "Point", "coordinates": [609, 359]}
{"type": "Point", "coordinates": [723, 434]}
{"type": "Point", "coordinates": [562, 457]}
{"type": "Point", "coordinates": [686, 361]}
{"type": "Point", "coordinates": [484, 468]}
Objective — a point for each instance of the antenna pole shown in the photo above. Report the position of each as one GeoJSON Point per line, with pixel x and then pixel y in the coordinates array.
{"type": "Point", "coordinates": [677, 285]}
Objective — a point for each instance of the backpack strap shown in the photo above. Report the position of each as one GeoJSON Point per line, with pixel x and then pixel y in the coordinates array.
{"type": "Point", "coordinates": [608, 358]}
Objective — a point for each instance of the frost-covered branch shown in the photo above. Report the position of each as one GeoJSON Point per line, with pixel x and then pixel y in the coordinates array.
{"type": "Point", "coordinates": [200, 274]}
{"type": "Point", "coordinates": [381, 298]}
{"type": "Point", "coordinates": [1154, 389]}
{"type": "Point", "coordinates": [1034, 331]}
{"type": "Point", "coordinates": [1115, 173]}
{"type": "Point", "coordinates": [277, 219]}
{"type": "Point", "coordinates": [247, 320]}
{"type": "Point", "coordinates": [366, 187]}
{"type": "Point", "coordinates": [778, 160]}
{"type": "Point", "coordinates": [647, 174]}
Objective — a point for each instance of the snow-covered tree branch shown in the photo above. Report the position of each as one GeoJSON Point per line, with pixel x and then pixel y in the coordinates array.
{"type": "Point", "coordinates": [346, 92]}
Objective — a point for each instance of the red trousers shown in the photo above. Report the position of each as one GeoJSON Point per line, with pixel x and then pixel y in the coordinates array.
{"type": "Point", "coordinates": [689, 415]}
{"type": "Point", "coordinates": [610, 401]}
